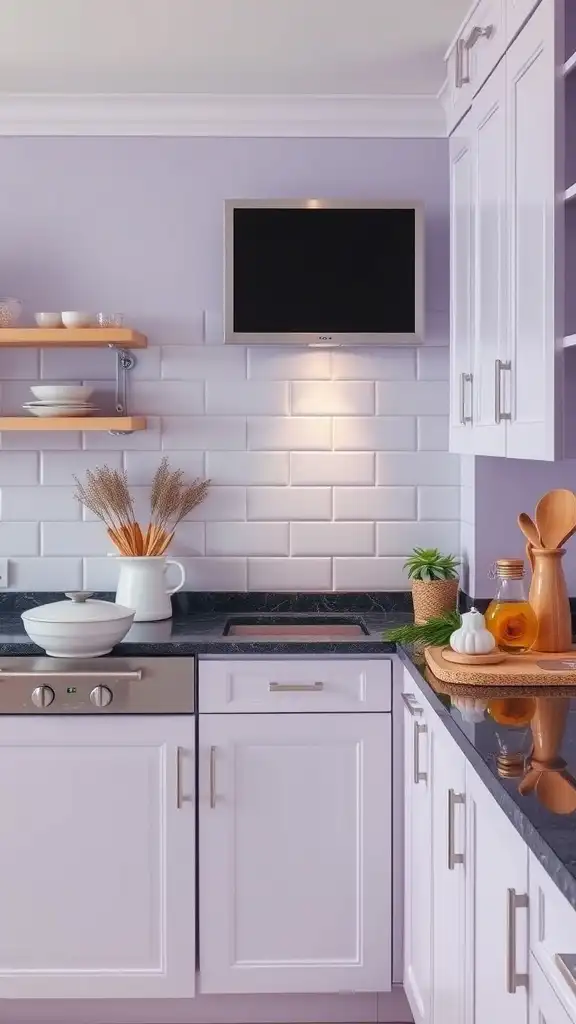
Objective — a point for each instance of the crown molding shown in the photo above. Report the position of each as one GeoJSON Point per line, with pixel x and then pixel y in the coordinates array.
{"type": "Point", "coordinates": [182, 114]}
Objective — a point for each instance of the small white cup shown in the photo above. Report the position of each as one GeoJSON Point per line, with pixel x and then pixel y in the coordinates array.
{"type": "Point", "coordinates": [75, 318]}
{"type": "Point", "coordinates": [48, 319]}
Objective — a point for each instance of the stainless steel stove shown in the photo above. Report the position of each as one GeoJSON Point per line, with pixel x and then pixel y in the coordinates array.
{"type": "Point", "coordinates": [96, 686]}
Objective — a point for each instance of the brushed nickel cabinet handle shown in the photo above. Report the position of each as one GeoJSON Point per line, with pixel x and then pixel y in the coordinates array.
{"type": "Point", "coordinates": [566, 964]}
{"type": "Point", "coordinates": [514, 902]}
{"type": "Point", "coordinates": [178, 778]}
{"type": "Point", "coordinates": [466, 378]}
{"type": "Point", "coordinates": [461, 52]}
{"type": "Point", "coordinates": [478, 32]}
{"type": "Point", "coordinates": [419, 730]}
{"type": "Point", "coordinates": [453, 858]}
{"type": "Point", "coordinates": [499, 366]}
{"type": "Point", "coordinates": [212, 778]}
{"type": "Point", "coordinates": [296, 687]}
{"type": "Point", "coordinates": [410, 703]}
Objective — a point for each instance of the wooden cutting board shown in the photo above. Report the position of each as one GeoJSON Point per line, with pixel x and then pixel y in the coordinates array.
{"type": "Point", "coordinates": [530, 669]}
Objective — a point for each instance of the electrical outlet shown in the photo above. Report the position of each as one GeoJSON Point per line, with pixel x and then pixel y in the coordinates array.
{"type": "Point", "coordinates": [3, 573]}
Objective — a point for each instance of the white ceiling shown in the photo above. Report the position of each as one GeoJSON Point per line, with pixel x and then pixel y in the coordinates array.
{"type": "Point", "coordinates": [314, 47]}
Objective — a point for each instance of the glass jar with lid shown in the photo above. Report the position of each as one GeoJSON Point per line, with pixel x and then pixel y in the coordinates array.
{"type": "Point", "coordinates": [509, 616]}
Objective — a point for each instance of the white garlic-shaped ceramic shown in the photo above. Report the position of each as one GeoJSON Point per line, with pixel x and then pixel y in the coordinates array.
{"type": "Point", "coordinates": [472, 710]}
{"type": "Point", "coordinates": [472, 637]}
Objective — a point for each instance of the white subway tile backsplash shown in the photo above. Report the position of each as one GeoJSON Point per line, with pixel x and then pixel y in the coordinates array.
{"type": "Point", "coordinates": [204, 433]}
{"type": "Point", "coordinates": [63, 364]}
{"type": "Point", "coordinates": [289, 433]}
{"type": "Point", "coordinates": [141, 466]}
{"type": "Point", "coordinates": [45, 573]}
{"type": "Point", "coordinates": [288, 364]}
{"type": "Point", "coordinates": [417, 468]}
{"type": "Point", "coordinates": [20, 538]}
{"type": "Point", "coordinates": [279, 574]}
{"type": "Point", "coordinates": [288, 503]}
{"type": "Point", "coordinates": [248, 397]}
{"type": "Point", "coordinates": [374, 503]}
{"type": "Point", "coordinates": [374, 364]}
{"type": "Point", "coordinates": [415, 398]}
{"type": "Point", "coordinates": [332, 468]}
{"type": "Point", "coordinates": [438, 502]}
{"type": "Point", "coordinates": [375, 433]}
{"type": "Point", "coordinates": [36, 441]}
{"type": "Point", "coordinates": [19, 364]}
{"type": "Point", "coordinates": [61, 467]}
{"type": "Point", "coordinates": [31, 504]}
{"type": "Point", "coordinates": [99, 574]}
{"type": "Point", "coordinates": [189, 540]}
{"type": "Point", "coordinates": [369, 574]}
{"type": "Point", "coordinates": [400, 538]}
{"type": "Point", "coordinates": [214, 574]}
{"type": "Point", "coordinates": [433, 363]}
{"type": "Point", "coordinates": [247, 467]}
{"type": "Point", "coordinates": [433, 433]}
{"type": "Point", "coordinates": [200, 362]}
{"type": "Point", "coordinates": [247, 539]}
{"type": "Point", "coordinates": [167, 399]}
{"type": "Point", "coordinates": [332, 539]}
{"type": "Point", "coordinates": [83, 538]}
{"type": "Point", "coordinates": [141, 440]}
{"type": "Point", "coordinates": [221, 503]}
{"type": "Point", "coordinates": [19, 468]}
{"type": "Point", "coordinates": [332, 398]}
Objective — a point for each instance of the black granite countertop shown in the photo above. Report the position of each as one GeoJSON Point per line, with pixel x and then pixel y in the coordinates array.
{"type": "Point", "coordinates": [551, 836]}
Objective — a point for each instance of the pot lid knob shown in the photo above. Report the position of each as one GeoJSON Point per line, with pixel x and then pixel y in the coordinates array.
{"type": "Point", "coordinates": [79, 596]}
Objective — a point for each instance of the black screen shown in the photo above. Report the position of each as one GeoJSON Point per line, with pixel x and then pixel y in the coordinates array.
{"type": "Point", "coordinates": [316, 271]}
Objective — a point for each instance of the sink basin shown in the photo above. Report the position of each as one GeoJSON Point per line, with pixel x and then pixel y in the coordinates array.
{"type": "Point", "coordinates": [303, 627]}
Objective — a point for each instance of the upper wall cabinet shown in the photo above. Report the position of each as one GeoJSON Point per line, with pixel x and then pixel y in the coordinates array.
{"type": "Point", "coordinates": [508, 385]}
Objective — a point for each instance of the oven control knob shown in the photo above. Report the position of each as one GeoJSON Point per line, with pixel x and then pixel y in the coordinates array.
{"type": "Point", "coordinates": [101, 696]}
{"type": "Point", "coordinates": [42, 696]}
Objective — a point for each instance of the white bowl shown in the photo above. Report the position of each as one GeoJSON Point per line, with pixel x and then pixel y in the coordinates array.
{"type": "Point", "coordinates": [52, 411]}
{"type": "Point", "coordinates": [75, 318]}
{"type": "Point", "coordinates": [77, 628]}
{"type": "Point", "coordinates": [62, 393]}
{"type": "Point", "coordinates": [48, 319]}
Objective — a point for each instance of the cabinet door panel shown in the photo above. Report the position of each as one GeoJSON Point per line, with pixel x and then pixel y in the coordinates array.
{"type": "Point", "coordinates": [97, 859]}
{"type": "Point", "coordinates": [497, 867]}
{"type": "Point", "coordinates": [461, 287]}
{"type": "Point", "coordinates": [417, 859]}
{"type": "Point", "coordinates": [448, 886]}
{"type": "Point", "coordinates": [545, 1007]}
{"type": "Point", "coordinates": [533, 107]}
{"type": "Point", "coordinates": [295, 853]}
{"type": "Point", "coordinates": [490, 262]}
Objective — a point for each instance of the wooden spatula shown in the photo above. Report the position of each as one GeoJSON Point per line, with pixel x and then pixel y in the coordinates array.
{"type": "Point", "coordinates": [555, 516]}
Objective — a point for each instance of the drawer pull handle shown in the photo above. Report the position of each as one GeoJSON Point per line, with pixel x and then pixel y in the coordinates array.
{"type": "Point", "coordinates": [419, 776]}
{"type": "Point", "coordinates": [296, 687]}
{"type": "Point", "coordinates": [566, 964]}
{"type": "Point", "coordinates": [212, 778]}
{"type": "Point", "coordinates": [453, 858]}
{"type": "Point", "coordinates": [410, 703]}
{"type": "Point", "coordinates": [178, 778]}
{"type": "Point", "coordinates": [499, 366]}
{"type": "Point", "coordinates": [478, 32]}
{"type": "Point", "coordinates": [514, 903]}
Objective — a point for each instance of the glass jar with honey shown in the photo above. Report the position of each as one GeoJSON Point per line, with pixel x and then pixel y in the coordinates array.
{"type": "Point", "coordinates": [510, 617]}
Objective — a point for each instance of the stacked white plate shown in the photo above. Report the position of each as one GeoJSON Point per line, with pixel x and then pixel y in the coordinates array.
{"type": "Point", "coordinates": [61, 400]}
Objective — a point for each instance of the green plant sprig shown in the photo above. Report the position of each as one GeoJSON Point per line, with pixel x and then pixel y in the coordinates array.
{"type": "Point", "coordinates": [434, 633]}
{"type": "Point", "coordinates": [429, 564]}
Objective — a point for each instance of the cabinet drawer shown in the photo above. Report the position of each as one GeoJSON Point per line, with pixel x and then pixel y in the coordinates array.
{"type": "Point", "coordinates": [552, 932]}
{"type": "Point", "coordinates": [253, 686]}
{"type": "Point", "coordinates": [473, 56]}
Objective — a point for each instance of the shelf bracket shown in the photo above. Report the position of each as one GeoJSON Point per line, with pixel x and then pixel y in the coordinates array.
{"type": "Point", "coordinates": [125, 361]}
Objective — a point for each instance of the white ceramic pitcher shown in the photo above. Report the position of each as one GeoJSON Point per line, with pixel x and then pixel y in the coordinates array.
{"type": "Point", "coordinates": [142, 586]}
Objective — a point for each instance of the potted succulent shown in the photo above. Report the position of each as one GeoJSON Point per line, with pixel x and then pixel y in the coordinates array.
{"type": "Point", "coordinates": [434, 583]}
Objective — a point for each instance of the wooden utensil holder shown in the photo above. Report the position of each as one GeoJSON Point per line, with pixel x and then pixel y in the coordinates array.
{"type": "Point", "coordinates": [549, 599]}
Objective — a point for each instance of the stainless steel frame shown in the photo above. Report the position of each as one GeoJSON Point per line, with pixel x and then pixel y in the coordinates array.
{"type": "Point", "coordinates": [322, 340]}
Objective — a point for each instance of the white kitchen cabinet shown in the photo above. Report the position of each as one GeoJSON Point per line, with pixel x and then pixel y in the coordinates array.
{"type": "Point", "coordinates": [461, 289]}
{"type": "Point", "coordinates": [497, 911]}
{"type": "Point", "coordinates": [545, 1007]}
{"type": "Point", "coordinates": [417, 856]}
{"type": "Point", "coordinates": [295, 848]}
{"type": "Point", "coordinates": [472, 55]}
{"type": "Point", "coordinates": [552, 934]}
{"type": "Point", "coordinates": [97, 879]}
{"type": "Point", "coordinates": [518, 12]}
{"type": "Point", "coordinates": [448, 771]}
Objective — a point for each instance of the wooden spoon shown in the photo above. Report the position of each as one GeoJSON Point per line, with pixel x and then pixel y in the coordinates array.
{"type": "Point", "coordinates": [555, 516]}
{"type": "Point", "coordinates": [557, 792]}
{"type": "Point", "coordinates": [529, 529]}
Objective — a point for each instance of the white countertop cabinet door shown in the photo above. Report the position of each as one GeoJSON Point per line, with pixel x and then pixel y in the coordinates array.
{"type": "Point", "coordinates": [97, 857]}
{"type": "Point", "coordinates": [295, 852]}
{"type": "Point", "coordinates": [461, 288]}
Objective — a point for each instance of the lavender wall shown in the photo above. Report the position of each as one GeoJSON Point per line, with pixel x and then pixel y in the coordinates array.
{"type": "Point", "coordinates": [327, 467]}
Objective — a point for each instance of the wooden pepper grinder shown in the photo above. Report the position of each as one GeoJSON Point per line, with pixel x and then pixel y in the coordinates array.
{"type": "Point", "coordinates": [549, 599]}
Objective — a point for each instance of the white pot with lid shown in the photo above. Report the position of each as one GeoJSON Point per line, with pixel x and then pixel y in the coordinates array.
{"type": "Point", "coordinates": [78, 627]}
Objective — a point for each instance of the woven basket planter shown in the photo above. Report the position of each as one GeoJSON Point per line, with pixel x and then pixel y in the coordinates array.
{"type": "Point", "coordinates": [432, 598]}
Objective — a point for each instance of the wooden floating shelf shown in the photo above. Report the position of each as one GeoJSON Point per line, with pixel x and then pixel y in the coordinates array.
{"type": "Point", "coordinates": [570, 64]}
{"type": "Point", "coordinates": [69, 337]}
{"type": "Point", "coordinates": [570, 193]}
{"type": "Point", "coordinates": [37, 423]}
